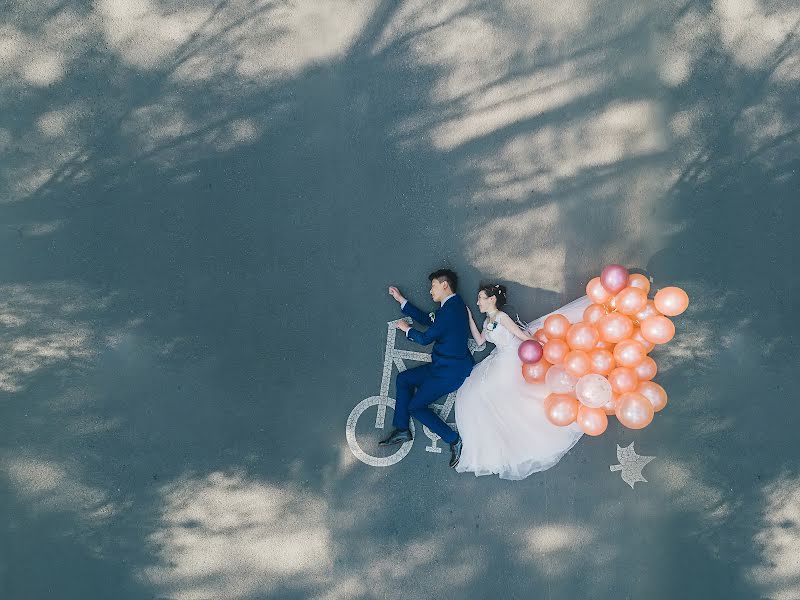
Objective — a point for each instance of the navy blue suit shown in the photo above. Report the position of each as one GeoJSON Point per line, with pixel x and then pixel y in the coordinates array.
{"type": "Point", "coordinates": [451, 363]}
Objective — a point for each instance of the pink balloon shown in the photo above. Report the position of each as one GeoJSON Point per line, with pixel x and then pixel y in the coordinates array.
{"type": "Point", "coordinates": [592, 421]}
{"type": "Point", "coordinates": [596, 291]}
{"type": "Point", "coordinates": [639, 281]}
{"type": "Point", "coordinates": [656, 394]}
{"type": "Point", "coordinates": [582, 336]}
{"type": "Point", "coordinates": [614, 328]}
{"type": "Point", "coordinates": [593, 390]}
{"type": "Point", "coordinates": [561, 409]}
{"type": "Point", "coordinates": [593, 313]}
{"type": "Point", "coordinates": [671, 301]}
{"type": "Point", "coordinates": [647, 369]}
{"type": "Point", "coordinates": [649, 310]}
{"type": "Point", "coordinates": [558, 380]}
{"type": "Point", "coordinates": [657, 330]}
{"type": "Point", "coordinates": [530, 351]}
{"type": "Point", "coordinates": [556, 326]}
{"type": "Point", "coordinates": [577, 363]}
{"type": "Point", "coordinates": [602, 361]}
{"type": "Point", "coordinates": [631, 300]}
{"type": "Point", "coordinates": [629, 353]}
{"type": "Point", "coordinates": [614, 278]}
{"type": "Point", "coordinates": [634, 410]}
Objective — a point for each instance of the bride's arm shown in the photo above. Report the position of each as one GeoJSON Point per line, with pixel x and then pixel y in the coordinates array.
{"type": "Point", "coordinates": [509, 324]}
{"type": "Point", "coordinates": [476, 334]}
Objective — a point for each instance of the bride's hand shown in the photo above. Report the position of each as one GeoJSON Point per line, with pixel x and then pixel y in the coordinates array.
{"type": "Point", "coordinates": [469, 312]}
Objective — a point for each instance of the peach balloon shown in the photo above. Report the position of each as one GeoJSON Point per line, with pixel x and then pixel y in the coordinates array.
{"type": "Point", "coordinates": [561, 409]}
{"type": "Point", "coordinates": [629, 353]}
{"type": "Point", "coordinates": [611, 305]}
{"type": "Point", "coordinates": [615, 327]}
{"type": "Point", "coordinates": [555, 351]}
{"type": "Point", "coordinates": [596, 291]}
{"type": "Point", "coordinates": [582, 336]}
{"type": "Point", "coordinates": [535, 372]}
{"type": "Point", "coordinates": [638, 337]}
{"type": "Point", "coordinates": [649, 310]}
{"type": "Point", "coordinates": [638, 280]}
{"type": "Point", "coordinates": [556, 327]}
{"type": "Point", "coordinates": [623, 380]}
{"type": "Point", "coordinates": [631, 300]}
{"type": "Point", "coordinates": [658, 329]}
{"type": "Point", "coordinates": [634, 410]}
{"type": "Point", "coordinates": [604, 345]}
{"type": "Point", "coordinates": [540, 336]}
{"type": "Point", "coordinates": [671, 301]}
{"type": "Point", "coordinates": [592, 421]}
{"type": "Point", "coordinates": [577, 363]}
{"type": "Point", "coordinates": [611, 406]}
{"type": "Point", "coordinates": [602, 361]}
{"type": "Point", "coordinates": [593, 313]}
{"type": "Point", "coordinates": [646, 370]}
{"type": "Point", "coordinates": [656, 394]}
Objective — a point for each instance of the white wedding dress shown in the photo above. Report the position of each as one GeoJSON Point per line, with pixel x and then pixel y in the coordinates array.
{"type": "Point", "coordinates": [500, 416]}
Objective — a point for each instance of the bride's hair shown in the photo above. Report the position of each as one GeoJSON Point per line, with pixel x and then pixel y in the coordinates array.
{"type": "Point", "coordinates": [496, 290]}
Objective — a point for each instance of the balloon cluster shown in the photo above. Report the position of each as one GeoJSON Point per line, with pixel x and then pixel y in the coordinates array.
{"type": "Point", "coordinates": [600, 366]}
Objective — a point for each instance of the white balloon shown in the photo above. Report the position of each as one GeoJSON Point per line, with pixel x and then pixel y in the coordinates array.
{"type": "Point", "coordinates": [558, 380]}
{"type": "Point", "coordinates": [593, 390]}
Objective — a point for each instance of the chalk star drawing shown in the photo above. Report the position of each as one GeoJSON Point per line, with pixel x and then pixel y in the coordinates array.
{"type": "Point", "coordinates": [631, 464]}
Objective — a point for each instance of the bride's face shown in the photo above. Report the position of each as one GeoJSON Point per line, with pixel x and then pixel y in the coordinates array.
{"type": "Point", "coordinates": [486, 303]}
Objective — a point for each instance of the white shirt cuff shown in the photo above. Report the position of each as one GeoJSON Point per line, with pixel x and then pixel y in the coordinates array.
{"type": "Point", "coordinates": [403, 305]}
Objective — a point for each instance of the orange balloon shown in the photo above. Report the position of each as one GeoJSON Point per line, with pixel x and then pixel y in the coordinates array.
{"type": "Point", "coordinates": [534, 373]}
{"type": "Point", "coordinates": [671, 301]}
{"type": "Point", "coordinates": [638, 280]}
{"type": "Point", "coordinates": [611, 305]}
{"type": "Point", "coordinates": [582, 336]}
{"type": "Point", "coordinates": [611, 406]}
{"type": "Point", "coordinates": [623, 380]}
{"type": "Point", "coordinates": [638, 337]}
{"type": "Point", "coordinates": [593, 313]}
{"type": "Point", "coordinates": [615, 327]}
{"type": "Point", "coordinates": [555, 351]}
{"type": "Point", "coordinates": [540, 336]}
{"type": "Point", "coordinates": [602, 361]}
{"type": "Point", "coordinates": [631, 300]}
{"type": "Point", "coordinates": [561, 409]}
{"type": "Point", "coordinates": [634, 410]}
{"type": "Point", "coordinates": [592, 421]}
{"type": "Point", "coordinates": [556, 327]}
{"type": "Point", "coordinates": [648, 311]}
{"type": "Point", "coordinates": [596, 291]}
{"type": "Point", "coordinates": [604, 345]}
{"type": "Point", "coordinates": [656, 394]}
{"type": "Point", "coordinates": [629, 353]}
{"type": "Point", "coordinates": [646, 369]}
{"type": "Point", "coordinates": [658, 329]}
{"type": "Point", "coordinates": [577, 363]}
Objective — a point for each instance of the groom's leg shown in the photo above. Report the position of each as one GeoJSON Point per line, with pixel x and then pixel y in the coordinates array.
{"type": "Point", "coordinates": [406, 383]}
{"type": "Point", "coordinates": [429, 392]}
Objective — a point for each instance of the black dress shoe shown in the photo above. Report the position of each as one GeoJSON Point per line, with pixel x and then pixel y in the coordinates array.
{"type": "Point", "coordinates": [398, 436]}
{"type": "Point", "coordinates": [455, 452]}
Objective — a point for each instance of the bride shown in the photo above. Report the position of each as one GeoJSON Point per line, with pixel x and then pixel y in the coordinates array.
{"type": "Point", "coordinates": [499, 415]}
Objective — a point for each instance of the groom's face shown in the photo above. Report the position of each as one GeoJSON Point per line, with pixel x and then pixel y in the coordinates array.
{"type": "Point", "coordinates": [439, 290]}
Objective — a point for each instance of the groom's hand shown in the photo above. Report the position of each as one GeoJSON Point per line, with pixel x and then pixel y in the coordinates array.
{"type": "Point", "coordinates": [395, 293]}
{"type": "Point", "coordinates": [402, 326]}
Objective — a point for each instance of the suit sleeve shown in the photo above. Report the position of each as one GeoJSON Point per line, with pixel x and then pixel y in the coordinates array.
{"type": "Point", "coordinates": [430, 335]}
{"type": "Point", "coordinates": [416, 314]}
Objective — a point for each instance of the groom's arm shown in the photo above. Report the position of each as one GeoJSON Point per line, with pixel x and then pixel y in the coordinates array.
{"type": "Point", "coordinates": [415, 313]}
{"type": "Point", "coordinates": [430, 335]}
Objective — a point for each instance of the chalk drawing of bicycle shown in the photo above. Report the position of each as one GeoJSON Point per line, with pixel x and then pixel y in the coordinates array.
{"type": "Point", "coordinates": [394, 357]}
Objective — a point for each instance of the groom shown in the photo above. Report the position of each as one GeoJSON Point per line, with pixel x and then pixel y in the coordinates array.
{"type": "Point", "coordinates": [451, 362]}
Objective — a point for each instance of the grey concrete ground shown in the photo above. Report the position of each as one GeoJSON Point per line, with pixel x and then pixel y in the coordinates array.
{"type": "Point", "coordinates": [202, 206]}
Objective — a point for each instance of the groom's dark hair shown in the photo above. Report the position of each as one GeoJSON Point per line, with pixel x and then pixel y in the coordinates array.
{"type": "Point", "coordinates": [447, 275]}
